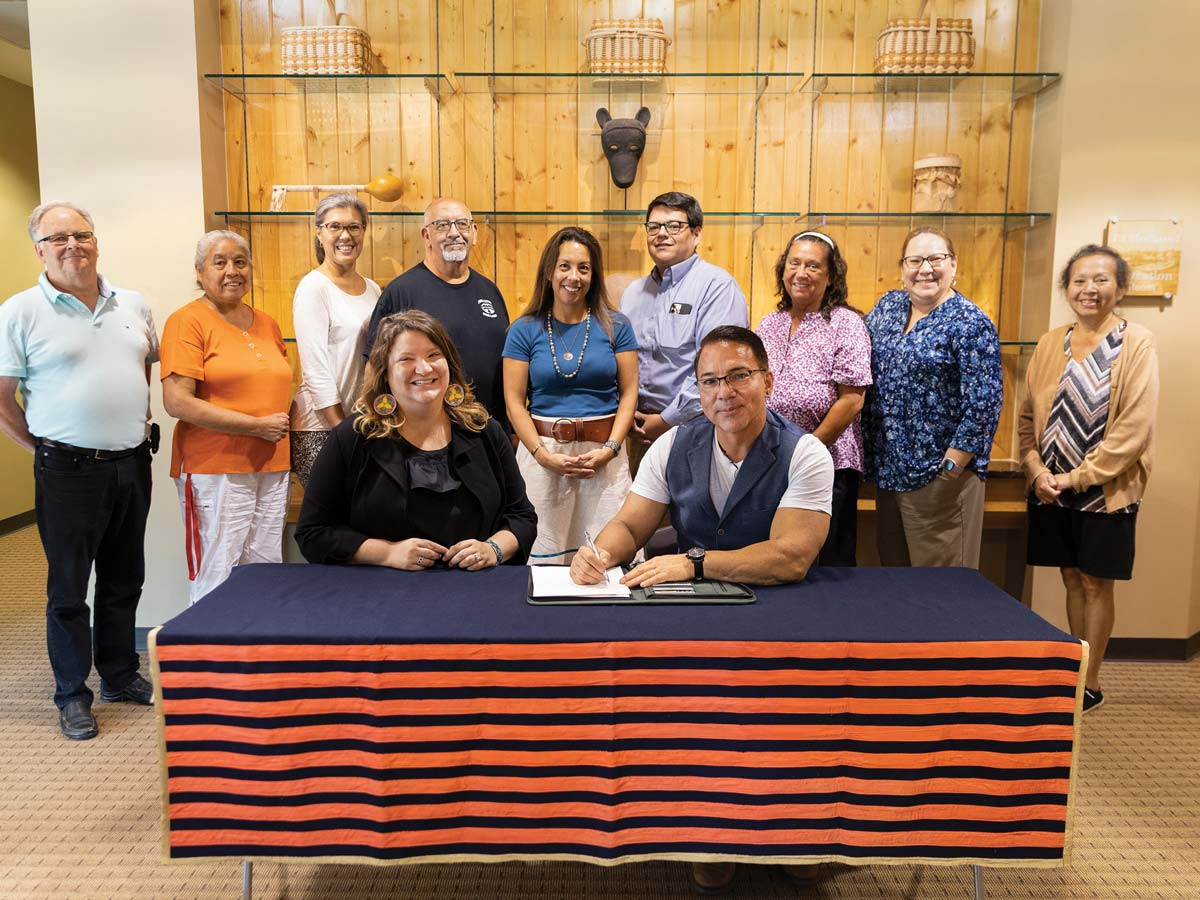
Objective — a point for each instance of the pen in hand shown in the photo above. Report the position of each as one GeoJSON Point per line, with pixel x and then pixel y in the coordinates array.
{"type": "Point", "coordinates": [598, 565]}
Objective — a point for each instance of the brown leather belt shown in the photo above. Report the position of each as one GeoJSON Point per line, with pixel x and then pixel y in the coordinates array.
{"type": "Point", "coordinates": [564, 430]}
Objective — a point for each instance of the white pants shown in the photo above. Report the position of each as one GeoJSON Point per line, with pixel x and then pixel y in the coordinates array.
{"type": "Point", "coordinates": [566, 507]}
{"type": "Point", "coordinates": [234, 519]}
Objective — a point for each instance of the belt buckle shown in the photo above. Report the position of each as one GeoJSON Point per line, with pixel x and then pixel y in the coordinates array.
{"type": "Point", "coordinates": [103, 455]}
{"type": "Point", "coordinates": [554, 430]}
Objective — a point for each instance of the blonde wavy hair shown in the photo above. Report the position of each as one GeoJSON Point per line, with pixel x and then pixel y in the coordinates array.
{"type": "Point", "coordinates": [470, 413]}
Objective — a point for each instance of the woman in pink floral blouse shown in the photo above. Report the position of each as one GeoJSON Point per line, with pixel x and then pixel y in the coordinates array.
{"type": "Point", "coordinates": [820, 354]}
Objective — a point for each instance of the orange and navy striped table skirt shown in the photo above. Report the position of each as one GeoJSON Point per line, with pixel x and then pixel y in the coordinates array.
{"type": "Point", "coordinates": [377, 716]}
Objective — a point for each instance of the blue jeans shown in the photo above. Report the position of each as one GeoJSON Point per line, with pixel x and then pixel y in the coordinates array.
{"type": "Point", "coordinates": [91, 512]}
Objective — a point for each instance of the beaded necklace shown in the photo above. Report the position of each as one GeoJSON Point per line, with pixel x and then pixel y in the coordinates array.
{"type": "Point", "coordinates": [587, 330]}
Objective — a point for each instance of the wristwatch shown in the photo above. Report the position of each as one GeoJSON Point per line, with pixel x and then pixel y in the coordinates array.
{"type": "Point", "coordinates": [614, 447]}
{"type": "Point", "coordinates": [949, 466]}
{"type": "Point", "coordinates": [696, 555]}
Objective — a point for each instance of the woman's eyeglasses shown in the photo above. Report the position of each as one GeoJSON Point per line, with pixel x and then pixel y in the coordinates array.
{"type": "Point", "coordinates": [354, 229]}
{"type": "Point", "coordinates": [937, 260]}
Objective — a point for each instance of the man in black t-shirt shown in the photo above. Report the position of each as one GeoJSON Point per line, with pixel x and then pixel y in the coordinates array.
{"type": "Point", "coordinates": [467, 303]}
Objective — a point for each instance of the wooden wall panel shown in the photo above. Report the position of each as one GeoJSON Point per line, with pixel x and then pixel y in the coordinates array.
{"type": "Point", "coordinates": [506, 146]}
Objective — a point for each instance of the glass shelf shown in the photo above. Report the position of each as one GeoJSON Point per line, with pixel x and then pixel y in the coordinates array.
{"type": "Point", "coordinates": [276, 84]}
{"type": "Point", "coordinates": [1011, 84]}
{"type": "Point", "coordinates": [1010, 221]}
{"type": "Point", "coordinates": [673, 83]}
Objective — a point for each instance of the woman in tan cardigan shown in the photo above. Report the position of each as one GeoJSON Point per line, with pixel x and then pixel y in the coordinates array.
{"type": "Point", "coordinates": [1087, 435]}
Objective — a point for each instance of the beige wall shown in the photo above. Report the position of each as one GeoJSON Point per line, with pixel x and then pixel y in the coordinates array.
{"type": "Point", "coordinates": [120, 134]}
{"type": "Point", "coordinates": [1121, 138]}
{"type": "Point", "coordinates": [18, 195]}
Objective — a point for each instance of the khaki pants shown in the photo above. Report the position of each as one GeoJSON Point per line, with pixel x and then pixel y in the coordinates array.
{"type": "Point", "coordinates": [940, 524]}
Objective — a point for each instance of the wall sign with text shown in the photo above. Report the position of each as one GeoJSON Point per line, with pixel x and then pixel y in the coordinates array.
{"type": "Point", "coordinates": [1152, 247]}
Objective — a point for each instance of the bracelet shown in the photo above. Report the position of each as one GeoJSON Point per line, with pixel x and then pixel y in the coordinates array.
{"type": "Point", "coordinates": [534, 451]}
{"type": "Point", "coordinates": [499, 552]}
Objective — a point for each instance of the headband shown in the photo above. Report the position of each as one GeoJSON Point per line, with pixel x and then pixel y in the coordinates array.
{"type": "Point", "coordinates": [820, 237]}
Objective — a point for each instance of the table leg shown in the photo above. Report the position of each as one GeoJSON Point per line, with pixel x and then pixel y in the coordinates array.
{"type": "Point", "coordinates": [248, 879]}
{"type": "Point", "coordinates": [978, 882]}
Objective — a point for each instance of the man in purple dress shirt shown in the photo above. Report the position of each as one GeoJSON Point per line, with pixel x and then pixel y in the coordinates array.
{"type": "Point", "coordinates": [672, 309]}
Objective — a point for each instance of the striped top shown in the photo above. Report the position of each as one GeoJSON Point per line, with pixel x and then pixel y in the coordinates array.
{"type": "Point", "coordinates": [1079, 415]}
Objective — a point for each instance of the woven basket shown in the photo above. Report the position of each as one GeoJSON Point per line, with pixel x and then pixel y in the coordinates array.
{"type": "Point", "coordinates": [627, 47]}
{"type": "Point", "coordinates": [925, 46]}
{"type": "Point", "coordinates": [327, 50]}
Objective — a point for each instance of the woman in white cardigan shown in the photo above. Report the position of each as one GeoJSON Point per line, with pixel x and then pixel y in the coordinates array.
{"type": "Point", "coordinates": [330, 311]}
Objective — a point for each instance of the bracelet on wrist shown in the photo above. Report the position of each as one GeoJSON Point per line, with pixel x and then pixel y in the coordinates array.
{"type": "Point", "coordinates": [534, 451]}
{"type": "Point", "coordinates": [496, 549]}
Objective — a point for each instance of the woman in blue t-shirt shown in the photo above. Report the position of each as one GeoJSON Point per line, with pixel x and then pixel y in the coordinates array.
{"type": "Point", "coordinates": [570, 387]}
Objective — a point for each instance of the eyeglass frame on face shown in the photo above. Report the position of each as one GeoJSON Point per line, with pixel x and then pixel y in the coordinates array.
{"type": "Point", "coordinates": [354, 229]}
{"type": "Point", "coordinates": [935, 260]}
{"type": "Point", "coordinates": [736, 379]}
{"type": "Point", "coordinates": [673, 227]}
{"type": "Point", "coordinates": [442, 226]}
{"type": "Point", "coordinates": [62, 239]}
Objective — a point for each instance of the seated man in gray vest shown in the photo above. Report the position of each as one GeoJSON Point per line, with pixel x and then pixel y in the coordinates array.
{"type": "Point", "coordinates": [748, 492]}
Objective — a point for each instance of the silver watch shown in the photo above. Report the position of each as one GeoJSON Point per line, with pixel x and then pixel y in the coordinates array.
{"type": "Point", "coordinates": [614, 447]}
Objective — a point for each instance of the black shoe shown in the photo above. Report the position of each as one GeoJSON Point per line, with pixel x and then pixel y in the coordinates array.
{"type": "Point", "coordinates": [712, 878]}
{"type": "Point", "coordinates": [137, 691]}
{"type": "Point", "coordinates": [801, 876]}
{"type": "Point", "coordinates": [77, 722]}
{"type": "Point", "coordinates": [1092, 699]}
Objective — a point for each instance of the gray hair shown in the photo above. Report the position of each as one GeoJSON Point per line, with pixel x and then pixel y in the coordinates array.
{"type": "Point", "coordinates": [35, 217]}
{"type": "Point", "coordinates": [327, 205]}
{"type": "Point", "coordinates": [205, 244]}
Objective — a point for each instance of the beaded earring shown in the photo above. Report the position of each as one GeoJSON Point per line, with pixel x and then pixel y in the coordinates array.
{"type": "Point", "coordinates": [455, 395]}
{"type": "Point", "coordinates": [385, 404]}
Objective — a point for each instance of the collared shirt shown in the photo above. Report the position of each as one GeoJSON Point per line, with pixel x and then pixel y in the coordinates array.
{"type": "Point", "coordinates": [82, 373]}
{"type": "Point", "coordinates": [810, 363]}
{"type": "Point", "coordinates": [936, 387]}
{"type": "Point", "coordinates": [670, 316]}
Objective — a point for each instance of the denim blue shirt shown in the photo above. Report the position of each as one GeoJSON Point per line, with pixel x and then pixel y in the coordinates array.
{"type": "Point", "coordinates": [670, 316]}
{"type": "Point", "coordinates": [937, 387]}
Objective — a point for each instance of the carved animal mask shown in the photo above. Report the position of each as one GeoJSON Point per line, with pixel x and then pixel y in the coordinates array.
{"type": "Point", "coordinates": [623, 141]}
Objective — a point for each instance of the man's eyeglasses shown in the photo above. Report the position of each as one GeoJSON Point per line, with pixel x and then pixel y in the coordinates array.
{"type": "Point", "coordinates": [735, 379]}
{"type": "Point", "coordinates": [915, 262]}
{"type": "Point", "coordinates": [60, 240]}
{"type": "Point", "coordinates": [672, 228]}
{"type": "Point", "coordinates": [442, 226]}
{"type": "Point", "coordinates": [354, 229]}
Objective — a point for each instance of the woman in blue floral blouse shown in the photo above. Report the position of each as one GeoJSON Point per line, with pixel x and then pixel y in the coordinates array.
{"type": "Point", "coordinates": [932, 410]}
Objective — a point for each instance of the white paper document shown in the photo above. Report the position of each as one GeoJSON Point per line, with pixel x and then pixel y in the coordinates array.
{"type": "Point", "coordinates": [555, 581]}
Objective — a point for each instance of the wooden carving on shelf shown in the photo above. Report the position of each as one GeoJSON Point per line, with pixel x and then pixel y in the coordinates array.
{"type": "Point", "coordinates": [623, 140]}
{"type": "Point", "coordinates": [386, 188]}
{"type": "Point", "coordinates": [936, 180]}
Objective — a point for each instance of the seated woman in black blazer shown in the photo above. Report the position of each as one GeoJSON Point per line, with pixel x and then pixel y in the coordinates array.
{"type": "Point", "coordinates": [419, 475]}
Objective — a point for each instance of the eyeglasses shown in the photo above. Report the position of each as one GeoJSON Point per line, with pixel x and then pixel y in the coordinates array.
{"type": "Point", "coordinates": [735, 379]}
{"type": "Point", "coordinates": [672, 228]}
{"type": "Point", "coordinates": [915, 262]}
{"type": "Point", "coordinates": [354, 229]}
{"type": "Point", "coordinates": [60, 240]}
{"type": "Point", "coordinates": [442, 226]}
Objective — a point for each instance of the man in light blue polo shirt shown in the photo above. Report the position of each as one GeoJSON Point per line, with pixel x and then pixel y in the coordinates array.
{"type": "Point", "coordinates": [672, 309]}
{"type": "Point", "coordinates": [79, 350]}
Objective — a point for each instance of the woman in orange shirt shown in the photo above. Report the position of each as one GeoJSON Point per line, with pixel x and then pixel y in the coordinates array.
{"type": "Point", "coordinates": [227, 380]}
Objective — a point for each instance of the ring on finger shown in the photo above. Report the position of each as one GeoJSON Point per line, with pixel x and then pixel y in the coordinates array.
{"type": "Point", "coordinates": [421, 560]}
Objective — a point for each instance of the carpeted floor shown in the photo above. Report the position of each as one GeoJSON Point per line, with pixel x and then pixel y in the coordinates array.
{"type": "Point", "coordinates": [81, 820]}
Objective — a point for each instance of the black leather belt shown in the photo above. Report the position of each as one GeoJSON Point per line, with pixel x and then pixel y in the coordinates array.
{"type": "Point", "coordinates": [90, 452]}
